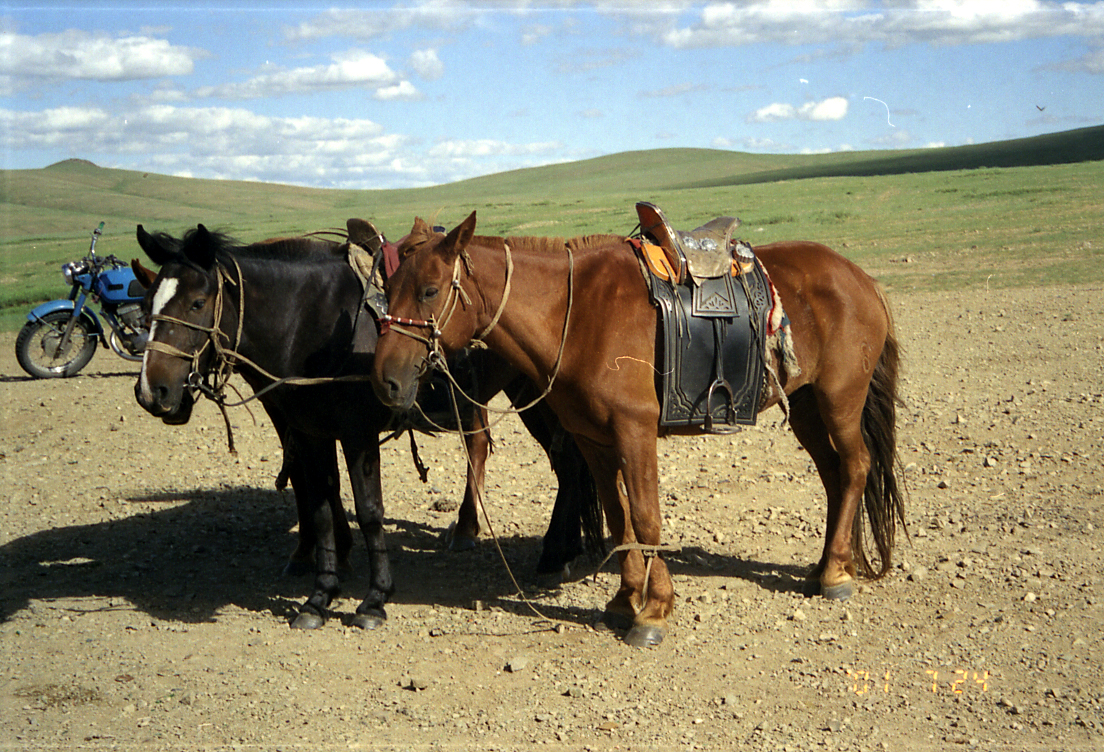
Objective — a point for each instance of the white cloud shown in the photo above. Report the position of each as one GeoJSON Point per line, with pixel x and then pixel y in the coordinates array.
{"type": "Point", "coordinates": [427, 65]}
{"type": "Point", "coordinates": [897, 138]}
{"type": "Point", "coordinates": [403, 90]}
{"type": "Point", "coordinates": [457, 159]}
{"type": "Point", "coordinates": [348, 70]}
{"type": "Point", "coordinates": [765, 144]}
{"type": "Point", "coordinates": [79, 55]}
{"type": "Point", "coordinates": [231, 143]}
{"type": "Point", "coordinates": [535, 33]}
{"type": "Point", "coordinates": [853, 22]}
{"type": "Point", "coordinates": [833, 108]}
{"type": "Point", "coordinates": [773, 112]}
{"type": "Point", "coordinates": [439, 15]}
{"type": "Point", "coordinates": [216, 142]}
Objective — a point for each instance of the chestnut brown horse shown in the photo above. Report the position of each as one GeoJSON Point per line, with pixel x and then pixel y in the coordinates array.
{"type": "Point", "coordinates": [576, 317]}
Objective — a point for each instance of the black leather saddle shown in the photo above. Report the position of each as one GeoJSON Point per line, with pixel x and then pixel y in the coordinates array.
{"type": "Point", "coordinates": [710, 343]}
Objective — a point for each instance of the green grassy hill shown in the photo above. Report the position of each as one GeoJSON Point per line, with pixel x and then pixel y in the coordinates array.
{"type": "Point", "coordinates": [1008, 213]}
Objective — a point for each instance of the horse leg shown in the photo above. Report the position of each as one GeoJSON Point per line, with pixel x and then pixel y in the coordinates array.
{"type": "Point", "coordinates": [300, 561]}
{"type": "Point", "coordinates": [633, 518]}
{"type": "Point", "coordinates": [834, 440]}
{"type": "Point", "coordinates": [563, 540]}
{"type": "Point", "coordinates": [577, 525]}
{"type": "Point", "coordinates": [318, 458]}
{"type": "Point", "coordinates": [639, 469]}
{"type": "Point", "coordinates": [363, 462]}
{"type": "Point", "coordinates": [576, 507]}
{"type": "Point", "coordinates": [622, 608]}
{"type": "Point", "coordinates": [464, 533]}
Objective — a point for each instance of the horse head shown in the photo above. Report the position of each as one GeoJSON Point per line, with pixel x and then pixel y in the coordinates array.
{"type": "Point", "coordinates": [430, 316]}
{"type": "Point", "coordinates": [184, 306]}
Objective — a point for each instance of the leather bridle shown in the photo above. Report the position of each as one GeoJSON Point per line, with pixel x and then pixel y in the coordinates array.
{"type": "Point", "coordinates": [226, 357]}
{"type": "Point", "coordinates": [435, 355]}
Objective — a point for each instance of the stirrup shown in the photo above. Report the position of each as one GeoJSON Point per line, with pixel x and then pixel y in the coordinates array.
{"type": "Point", "coordinates": [729, 404]}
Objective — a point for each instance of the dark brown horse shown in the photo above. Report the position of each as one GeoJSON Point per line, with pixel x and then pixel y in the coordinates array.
{"type": "Point", "coordinates": [293, 308]}
{"type": "Point", "coordinates": [576, 315]}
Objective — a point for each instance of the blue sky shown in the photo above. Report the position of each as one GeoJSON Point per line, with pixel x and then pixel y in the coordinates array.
{"type": "Point", "coordinates": [393, 95]}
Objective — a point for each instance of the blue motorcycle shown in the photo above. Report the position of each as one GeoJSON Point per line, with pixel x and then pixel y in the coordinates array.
{"type": "Point", "coordinates": [60, 337]}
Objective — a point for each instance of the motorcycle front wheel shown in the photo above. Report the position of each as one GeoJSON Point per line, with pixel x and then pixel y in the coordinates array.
{"type": "Point", "coordinates": [40, 352]}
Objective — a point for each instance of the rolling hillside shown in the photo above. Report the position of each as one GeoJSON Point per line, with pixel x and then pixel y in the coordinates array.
{"type": "Point", "coordinates": [1035, 195]}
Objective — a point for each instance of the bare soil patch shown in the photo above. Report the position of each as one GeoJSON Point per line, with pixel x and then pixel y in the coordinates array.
{"type": "Point", "coordinates": [142, 607]}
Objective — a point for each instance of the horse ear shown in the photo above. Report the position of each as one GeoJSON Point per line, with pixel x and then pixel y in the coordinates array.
{"type": "Point", "coordinates": [155, 246]}
{"type": "Point", "coordinates": [420, 227]}
{"type": "Point", "coordinates": [200, 248]}
{"type": "Point", "coordinates": [144, 276]}
{"type": "Point", "coordinates": [456, 242]}
{"type": "Point", "coordinates": [364, 233]}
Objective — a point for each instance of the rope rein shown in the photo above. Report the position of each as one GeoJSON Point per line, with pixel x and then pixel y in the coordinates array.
{"type": "Point", "coordinates": [435, 356]}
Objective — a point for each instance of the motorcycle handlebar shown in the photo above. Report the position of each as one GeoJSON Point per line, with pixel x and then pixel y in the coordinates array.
{"type": "Point", "coordinates": [95, 235]}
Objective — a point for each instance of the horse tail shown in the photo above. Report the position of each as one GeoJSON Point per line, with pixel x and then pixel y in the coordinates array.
{"type": "Point", "coordinates": [883, 498]}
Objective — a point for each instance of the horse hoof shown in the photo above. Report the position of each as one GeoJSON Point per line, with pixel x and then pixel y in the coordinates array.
{"type": "Point", "coordinates": [645, 636]}
{"type": "Point", "coordinates": [455, 542]}
{"type": "Point", "coordinates": [368, 621]}
{"type": "Point", "coordinates": [307, 620]}
{"type": "Point", "coordinates": [461, 543]}
{"type": "Point", "coordinates": [840, 592]}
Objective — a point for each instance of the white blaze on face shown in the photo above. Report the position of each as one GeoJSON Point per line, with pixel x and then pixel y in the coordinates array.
{"type": "Point", "coordinates": [166, 290]}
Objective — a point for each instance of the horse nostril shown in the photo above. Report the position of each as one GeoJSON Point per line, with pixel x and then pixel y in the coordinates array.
{"type": "Point", "coordinates": [392, 388]}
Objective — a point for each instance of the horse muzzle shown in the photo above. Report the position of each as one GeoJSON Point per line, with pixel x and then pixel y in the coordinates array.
{"type": "Point", "coordinates": [396, 393]}
{"type": "Point", "coordinates": [174, 409]}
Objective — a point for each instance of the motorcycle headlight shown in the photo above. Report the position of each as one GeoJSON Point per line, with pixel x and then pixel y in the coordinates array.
{"type": "Point", "coordinates": [71, 270]}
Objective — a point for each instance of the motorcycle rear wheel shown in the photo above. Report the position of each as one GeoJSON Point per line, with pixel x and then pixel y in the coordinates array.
{"type": "Point", "coordinates": [36, 347]}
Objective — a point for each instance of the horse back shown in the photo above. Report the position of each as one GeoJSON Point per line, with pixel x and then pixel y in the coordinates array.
{"type": "Point", "coordinates": [831, 302]}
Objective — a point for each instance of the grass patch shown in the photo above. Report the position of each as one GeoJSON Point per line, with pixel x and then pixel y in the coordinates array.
{"type": "Point", "coordinates": [966, 215]}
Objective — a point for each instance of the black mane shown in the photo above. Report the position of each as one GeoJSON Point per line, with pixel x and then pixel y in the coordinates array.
{"type": "Point", "coordinates": [303, 248]}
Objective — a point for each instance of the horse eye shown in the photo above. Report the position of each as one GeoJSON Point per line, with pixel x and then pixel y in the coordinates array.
{"type": "Point", "coordinates": [429, 294]}
{"type": "Point", "coordinates": [198, 305]}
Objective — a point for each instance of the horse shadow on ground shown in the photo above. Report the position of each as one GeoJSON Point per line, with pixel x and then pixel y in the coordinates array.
{"type": "Point", "coordinates": [217, 548]}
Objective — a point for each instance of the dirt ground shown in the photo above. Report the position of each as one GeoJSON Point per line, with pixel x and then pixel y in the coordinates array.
{"type": "Point", "coordinates": [142, 604]}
